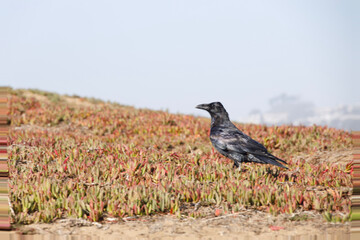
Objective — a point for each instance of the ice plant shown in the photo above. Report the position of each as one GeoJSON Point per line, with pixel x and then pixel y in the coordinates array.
{"type": "Point", "coordinates": [76, 157]}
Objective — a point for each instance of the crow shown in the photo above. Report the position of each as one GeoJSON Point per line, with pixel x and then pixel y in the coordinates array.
{"type": "Point", "coordinates": [234, 144]}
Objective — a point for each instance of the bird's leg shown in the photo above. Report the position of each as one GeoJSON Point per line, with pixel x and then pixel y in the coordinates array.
{"type": "Point", "coordinates": [237, 165]}
{"type": "Point", "coordinates": [239, 168]}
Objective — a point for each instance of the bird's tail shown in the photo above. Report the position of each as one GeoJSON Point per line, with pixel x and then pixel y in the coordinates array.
{"type": "Point", "coordinates": [272, 160]}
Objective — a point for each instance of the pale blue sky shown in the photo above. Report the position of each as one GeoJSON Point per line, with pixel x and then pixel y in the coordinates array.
{"type": "Point", "coordinates": [176, 54]}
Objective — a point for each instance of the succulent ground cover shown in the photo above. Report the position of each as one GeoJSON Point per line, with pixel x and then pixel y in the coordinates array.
{"type": "Point", "coordinates": [73, 157]}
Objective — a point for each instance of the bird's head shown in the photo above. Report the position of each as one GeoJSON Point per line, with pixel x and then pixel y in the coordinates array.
{"type": "Point", "coordinates": [216, 109]}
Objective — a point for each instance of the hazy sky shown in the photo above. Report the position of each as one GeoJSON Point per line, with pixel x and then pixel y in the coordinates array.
{"type": "Point", "coordinates": [176, 54]}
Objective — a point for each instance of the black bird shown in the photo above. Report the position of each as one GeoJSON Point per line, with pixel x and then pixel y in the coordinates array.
{"type": "Point", "coordinates": [233, 143]}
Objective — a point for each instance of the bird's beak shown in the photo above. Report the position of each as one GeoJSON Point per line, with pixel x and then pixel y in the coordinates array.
{"type": "Point", "coordinates": [203, 106]}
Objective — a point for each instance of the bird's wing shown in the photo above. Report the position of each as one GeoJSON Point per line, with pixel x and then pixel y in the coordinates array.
{"type": "Point", "coordinates": [259, 151]}
{"type": "Point", "coordinates": [235, 140]}
{"type": "Point", "coordinates": [231, 139]}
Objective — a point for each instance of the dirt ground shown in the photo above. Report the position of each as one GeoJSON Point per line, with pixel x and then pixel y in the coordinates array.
{"type": "Point", "coordinates": [247, 224]}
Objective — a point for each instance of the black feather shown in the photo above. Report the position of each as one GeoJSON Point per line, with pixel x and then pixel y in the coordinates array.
{"type": "Point", "coordinates": [233, 143]}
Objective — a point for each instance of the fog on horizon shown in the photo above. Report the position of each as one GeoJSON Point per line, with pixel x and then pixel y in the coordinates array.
{"type": "Point", "coordinates": [270, 62]}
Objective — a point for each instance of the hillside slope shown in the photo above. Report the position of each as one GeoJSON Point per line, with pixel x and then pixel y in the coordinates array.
{"type": "Point", "coordinates": [78, 157]}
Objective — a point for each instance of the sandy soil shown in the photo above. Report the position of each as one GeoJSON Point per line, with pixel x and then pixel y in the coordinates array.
{"type": "Point", "coordinates": [247, 224]}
